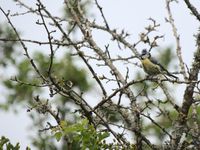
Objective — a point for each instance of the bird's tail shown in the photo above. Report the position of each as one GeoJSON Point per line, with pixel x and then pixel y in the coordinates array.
{"type": "Point", "coordinates": [168, 73]}
{"type": "Point", "coordinates": [171, 75]}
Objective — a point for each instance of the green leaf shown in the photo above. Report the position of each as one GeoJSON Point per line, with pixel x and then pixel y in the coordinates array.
{"type": "Point", "coordinates": [63, 124]}
{"type": "Point", "coordinates": [28, 148]}
{"type": "Point", "coordinates": [3, 141]}
{"type": "Point", "coordinates": [104, 135]}
{"type": "Point", "coordinates": [58, 136]}
{"type": "Point", "coordinates": [5, 144]}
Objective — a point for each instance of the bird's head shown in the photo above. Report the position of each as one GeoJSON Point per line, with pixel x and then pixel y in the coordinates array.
{"type": "Point", "coordinates": [145, 54]}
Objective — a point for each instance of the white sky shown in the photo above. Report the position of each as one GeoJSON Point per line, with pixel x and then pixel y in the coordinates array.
{"type": "Point", "coordinates": [121, 14]}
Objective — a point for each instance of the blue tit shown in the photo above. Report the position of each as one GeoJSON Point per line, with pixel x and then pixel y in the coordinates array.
{"type": "Point", "coordinates": [151, 66]}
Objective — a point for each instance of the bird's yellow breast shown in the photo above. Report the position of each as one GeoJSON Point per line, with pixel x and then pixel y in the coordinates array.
{"type": "Point", "coordinates": [150, 68]}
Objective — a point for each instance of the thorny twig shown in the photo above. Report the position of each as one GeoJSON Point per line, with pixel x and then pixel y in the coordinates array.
{"type": "Point", "coordinates": [177, 38]}
{"type": "Point", "coordinates": [193, 9]}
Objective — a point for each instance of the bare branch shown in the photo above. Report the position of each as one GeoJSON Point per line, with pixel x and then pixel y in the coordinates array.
{"type": "Point", "coordinates": [177, 38]}
{"type": "Point", "coordinates": [102, 14]}
{"type": "Point", "coordinates": [181, 124]}
{"type": "Point", "coordinates": [192, 9]}
{"type": "Point", "coordinates": [24, 46]}
{"type": "Point", "coordinates": [49, 38]}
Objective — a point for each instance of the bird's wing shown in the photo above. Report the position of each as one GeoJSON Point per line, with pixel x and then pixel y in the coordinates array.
{"type": "Point", "coordinates": [162, 68]}
{"type": "Point", "coordinates": [153, 60]}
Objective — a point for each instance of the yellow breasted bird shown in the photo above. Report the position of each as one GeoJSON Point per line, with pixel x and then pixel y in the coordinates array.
{"type": "Point", "coordinates": [151, 66]}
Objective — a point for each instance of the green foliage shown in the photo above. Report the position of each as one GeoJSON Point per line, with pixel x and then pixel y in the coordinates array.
{"type": "Point", "coordinates": [7, 49]}
{"type": "Point", "coordinates": [43, 141]}
{"type": "Point", "coordinates": [9, 61]}
{"type": "Point", "coordinates": [21, 88]}
{"type": "Point", "coordinates": [21, 91]}
{"type": "Point", "coordinates": [166, 56]}
{"type": "Point", "coordinates": [58, 135]}
{"type": "Point", "coordinates": [82, 135]}
{"type": "Point", "coordinates": [5, 144]}
{"type": "Point", "coordinates": [194, 111]}
{"type": "Point", "coordinates": [65, 70]}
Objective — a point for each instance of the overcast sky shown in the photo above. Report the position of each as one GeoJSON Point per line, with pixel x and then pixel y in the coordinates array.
{"type": "Point", "coordinates": [121, 14]}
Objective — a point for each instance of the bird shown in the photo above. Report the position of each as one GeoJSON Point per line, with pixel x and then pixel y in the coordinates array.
{"type": "Point", "coordinates": [151, 66]}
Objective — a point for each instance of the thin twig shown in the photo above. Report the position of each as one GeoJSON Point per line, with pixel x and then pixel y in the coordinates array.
{"type": "Point", "coordinates": [177, 38]}
{"type": "Point", "coordinates": [49, 38]}
{"type": "Point", "coordinates": [193, 9]}
{"type": "Point", "coordinates": [24, 46]}
{"type": "Point", "coordinates": [102, 14]}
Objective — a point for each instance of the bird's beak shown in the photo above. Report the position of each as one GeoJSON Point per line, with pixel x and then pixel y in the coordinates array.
{"type": "Point", "coordinates": [141, 55]}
